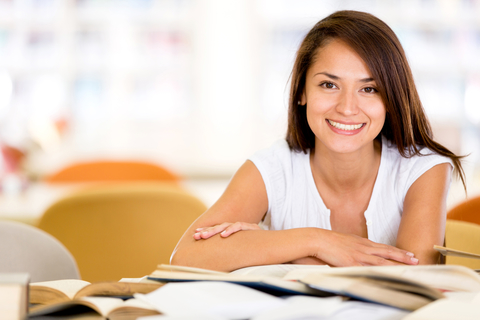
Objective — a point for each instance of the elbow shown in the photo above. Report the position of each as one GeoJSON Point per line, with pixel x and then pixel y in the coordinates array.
{"type": "Point", "coordinates": [177, 259]}
{"type": "Point", "coordinates": [182, 257]}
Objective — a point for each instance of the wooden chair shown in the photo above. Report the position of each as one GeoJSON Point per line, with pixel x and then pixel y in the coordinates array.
{"type": "Point", "coordinates": [469, 211]}
{"type": "Point", "coordinates": [464, 236]}
{"type": "Point", "coordinates": [24, 248]}
{"type": "Point", "coordinates": [99, 171]}
{"type": "Point", "coordinates": [122, 230]}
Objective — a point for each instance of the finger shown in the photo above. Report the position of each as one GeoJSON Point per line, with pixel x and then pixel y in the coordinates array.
{"type": "Point", "coordinates": [197, 236]}
{"type": "Point", "coordinates": [381, 245]}
{"type": "Point", "coordinates": [238, 226]}
{"type": "Point", "coordinates": [206, 233]}
{"type": "Point", "coordinates": [235, 227]}
{"type": "Point", "coordinates": [395, 254]}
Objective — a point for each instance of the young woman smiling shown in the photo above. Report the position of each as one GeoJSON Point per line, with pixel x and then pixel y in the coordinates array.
{"type": "Point", "coordinates": [359, 179]}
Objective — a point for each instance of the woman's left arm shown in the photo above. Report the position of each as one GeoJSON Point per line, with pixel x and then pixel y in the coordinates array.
{"type": "Point", "coordinates": [424, 214]}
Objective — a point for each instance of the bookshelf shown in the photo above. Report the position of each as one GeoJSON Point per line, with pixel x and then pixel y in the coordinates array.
{"type": "Point", "coordinates": [199, 85]}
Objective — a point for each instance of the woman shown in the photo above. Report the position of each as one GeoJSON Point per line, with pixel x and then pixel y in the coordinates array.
{"type": "Point", "coordinates": [359, 179]}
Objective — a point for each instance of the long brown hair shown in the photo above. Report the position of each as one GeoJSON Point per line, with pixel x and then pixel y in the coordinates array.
{"type": "Point", "coordinates": [406, 124]}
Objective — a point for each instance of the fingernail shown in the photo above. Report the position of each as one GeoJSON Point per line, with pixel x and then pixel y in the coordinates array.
{"type": "Point", "coordinates": [204, 232]}
{"type": "Point", "coordinates": [410, 254]}
{"type": "Point", "coordinates": [224, 231]}
{"type": "Point", "coordinates": [414, 260]}
{"type": "Point", "coordinates": [198, 229]}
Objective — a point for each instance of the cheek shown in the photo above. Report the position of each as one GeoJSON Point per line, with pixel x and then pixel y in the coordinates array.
{"type": "Point", "coordinates": [378, 114]}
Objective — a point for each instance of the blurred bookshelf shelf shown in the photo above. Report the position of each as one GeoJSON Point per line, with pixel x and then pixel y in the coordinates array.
{"type": "Point", "coordinates": [200, 85]}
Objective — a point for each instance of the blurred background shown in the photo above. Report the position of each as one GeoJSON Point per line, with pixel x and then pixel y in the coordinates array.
{"type": "Point", "coordinates": [198, 86]}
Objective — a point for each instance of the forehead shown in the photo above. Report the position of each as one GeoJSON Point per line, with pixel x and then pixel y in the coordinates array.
{"type": "Point", "coordinates": [337, 55]}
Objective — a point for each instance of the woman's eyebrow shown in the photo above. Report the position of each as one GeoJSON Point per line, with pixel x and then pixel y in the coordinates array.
{"type": "Point", "coordinates": [334, 77]}
{"type": "Point", "coordinates": [331, 76]}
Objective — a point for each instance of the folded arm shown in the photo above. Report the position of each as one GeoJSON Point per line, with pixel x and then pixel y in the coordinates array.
{"type": "Point", "coordinates": [245, 200]}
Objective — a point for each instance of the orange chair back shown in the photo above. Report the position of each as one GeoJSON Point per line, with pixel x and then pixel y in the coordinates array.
{"type": "Point", "coordinates": [123, 230]}
{"type": "Point", "coordinates": [468, 211]}
{"type": "Point", "coordinates": [113, 171]}
{"type": "Point", "coordinates": [463, 236]}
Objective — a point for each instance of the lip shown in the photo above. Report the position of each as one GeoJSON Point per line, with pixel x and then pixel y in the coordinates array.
{"type": "Point", "coordinates": [344, 132]}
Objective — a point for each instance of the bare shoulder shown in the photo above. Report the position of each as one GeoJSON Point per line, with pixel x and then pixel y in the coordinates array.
{"type": "Point", "coordinates": [435, 180]}
{"type": "Point", "coordinates": [245, 199]}
{"type": "Point", "coordinates": [424, 214]}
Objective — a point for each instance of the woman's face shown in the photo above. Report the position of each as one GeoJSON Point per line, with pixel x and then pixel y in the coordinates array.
{"type": "Point", "coordinates": [344, 109]}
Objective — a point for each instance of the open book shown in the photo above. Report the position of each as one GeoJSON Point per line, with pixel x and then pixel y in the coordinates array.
{"type": "Point", "coordinates": [111, 308]}
{"type": "Point", "coordinates": [455, 253]}
{"type": "Point", "coordinates": [268, 279]}
{"type": "Point", "coordinates": [405, 287]}
{"type": "Point", "coordinates": [49, 292]}
{"type": "Point", "coordinates": [105, 298]}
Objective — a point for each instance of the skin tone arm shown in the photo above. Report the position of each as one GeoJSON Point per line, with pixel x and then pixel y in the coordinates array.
{"type": "Point", "coordinates": [418, 232]}
{"type": "Point", "coordinates": [245, 200]}
{"type": "Point", "coordinates": [424, 214]}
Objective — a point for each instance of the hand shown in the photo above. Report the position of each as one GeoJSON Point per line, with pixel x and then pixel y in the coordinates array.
{"type": "Point", "coordinates": [341, 250]}
{"type": "Point", "coordinates": [225, 229]}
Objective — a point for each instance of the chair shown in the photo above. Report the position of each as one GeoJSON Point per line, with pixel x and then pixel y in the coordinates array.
{"type": "Point", "coordinates": [97, 171]}
{"type": "Point", "coordinates": [24, 248]}
{"type": "Point", "coordinates": [122, 230]}
{"type": "Point", "coordinates": [469, 211]}
{"type": "Point", "coordinates": [464, 236]}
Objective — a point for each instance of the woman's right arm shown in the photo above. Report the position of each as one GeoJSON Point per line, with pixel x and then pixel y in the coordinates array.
{"type": "Point", "coordinates": [245, 200]}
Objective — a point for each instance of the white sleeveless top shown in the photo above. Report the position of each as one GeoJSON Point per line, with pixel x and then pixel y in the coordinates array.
{"type": "Point", "coordinates": [294, 201]}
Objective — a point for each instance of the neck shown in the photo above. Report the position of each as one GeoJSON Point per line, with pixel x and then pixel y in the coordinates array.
{"type": "Point", "coordinates": [344, 173]}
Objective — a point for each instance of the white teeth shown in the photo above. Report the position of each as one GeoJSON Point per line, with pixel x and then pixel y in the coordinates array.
{"type": "Point", "coordinates": [346, 127]}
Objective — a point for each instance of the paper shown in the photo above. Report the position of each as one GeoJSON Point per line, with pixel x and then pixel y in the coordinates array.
{"type": "Point", "coordinates": [302, 307]}
{"type": "Point", "coordinates": [164, 317]}
{"type": "Point", "coordinates": [367, 311]}
{"type": "Point", "coordinates": [210, 298]}
{"type": "Point", "coordinates": [446, 309]}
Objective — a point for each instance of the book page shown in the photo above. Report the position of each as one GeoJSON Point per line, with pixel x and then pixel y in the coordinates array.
{"type": "Point", "coordinates": [178, 276]}
{"type": "Point", "coordinates": [278, 270]}
{"type": "Point", "coordinates": [103, 305]}
{"type": "Point", "coordinates": [210, 298]}
{"type": "Point", "coordinates": [115, 288]}
{"type": "Point", "coordinates": [69, 287]}
{"type": "Point", "coordinates": [455, 253]}
{"type": "Point", "coordinates": [302, 307]}
{"type": "Point", "coordinates": [169, 267]}
{"type": "Point", "coordinates": [367, 290]}
{"type": "Point", "coordinates": [271, 285]}
{"type": "Point", "coordinates": [470, 297]}
{"type": "Point", "coordinates": [443, 277]}
{"type": "Point", "coordinates": [446, 309]}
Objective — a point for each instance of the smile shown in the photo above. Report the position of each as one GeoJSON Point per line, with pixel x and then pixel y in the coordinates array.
{"type": "Point", "coordinates": [346, 127]}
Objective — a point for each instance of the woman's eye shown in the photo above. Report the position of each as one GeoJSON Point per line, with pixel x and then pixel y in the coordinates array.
{"type": "Point", "coordinates": [370, 90]}
{"type": "Point", "coordinates": [328, 85]}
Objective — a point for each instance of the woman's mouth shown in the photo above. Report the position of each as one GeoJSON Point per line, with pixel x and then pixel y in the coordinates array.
{"type": "Point", "coordinates": [346, 127]}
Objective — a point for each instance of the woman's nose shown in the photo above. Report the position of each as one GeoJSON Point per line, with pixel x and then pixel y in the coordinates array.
{"type": "Point", "coordinates": [347, 103]}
